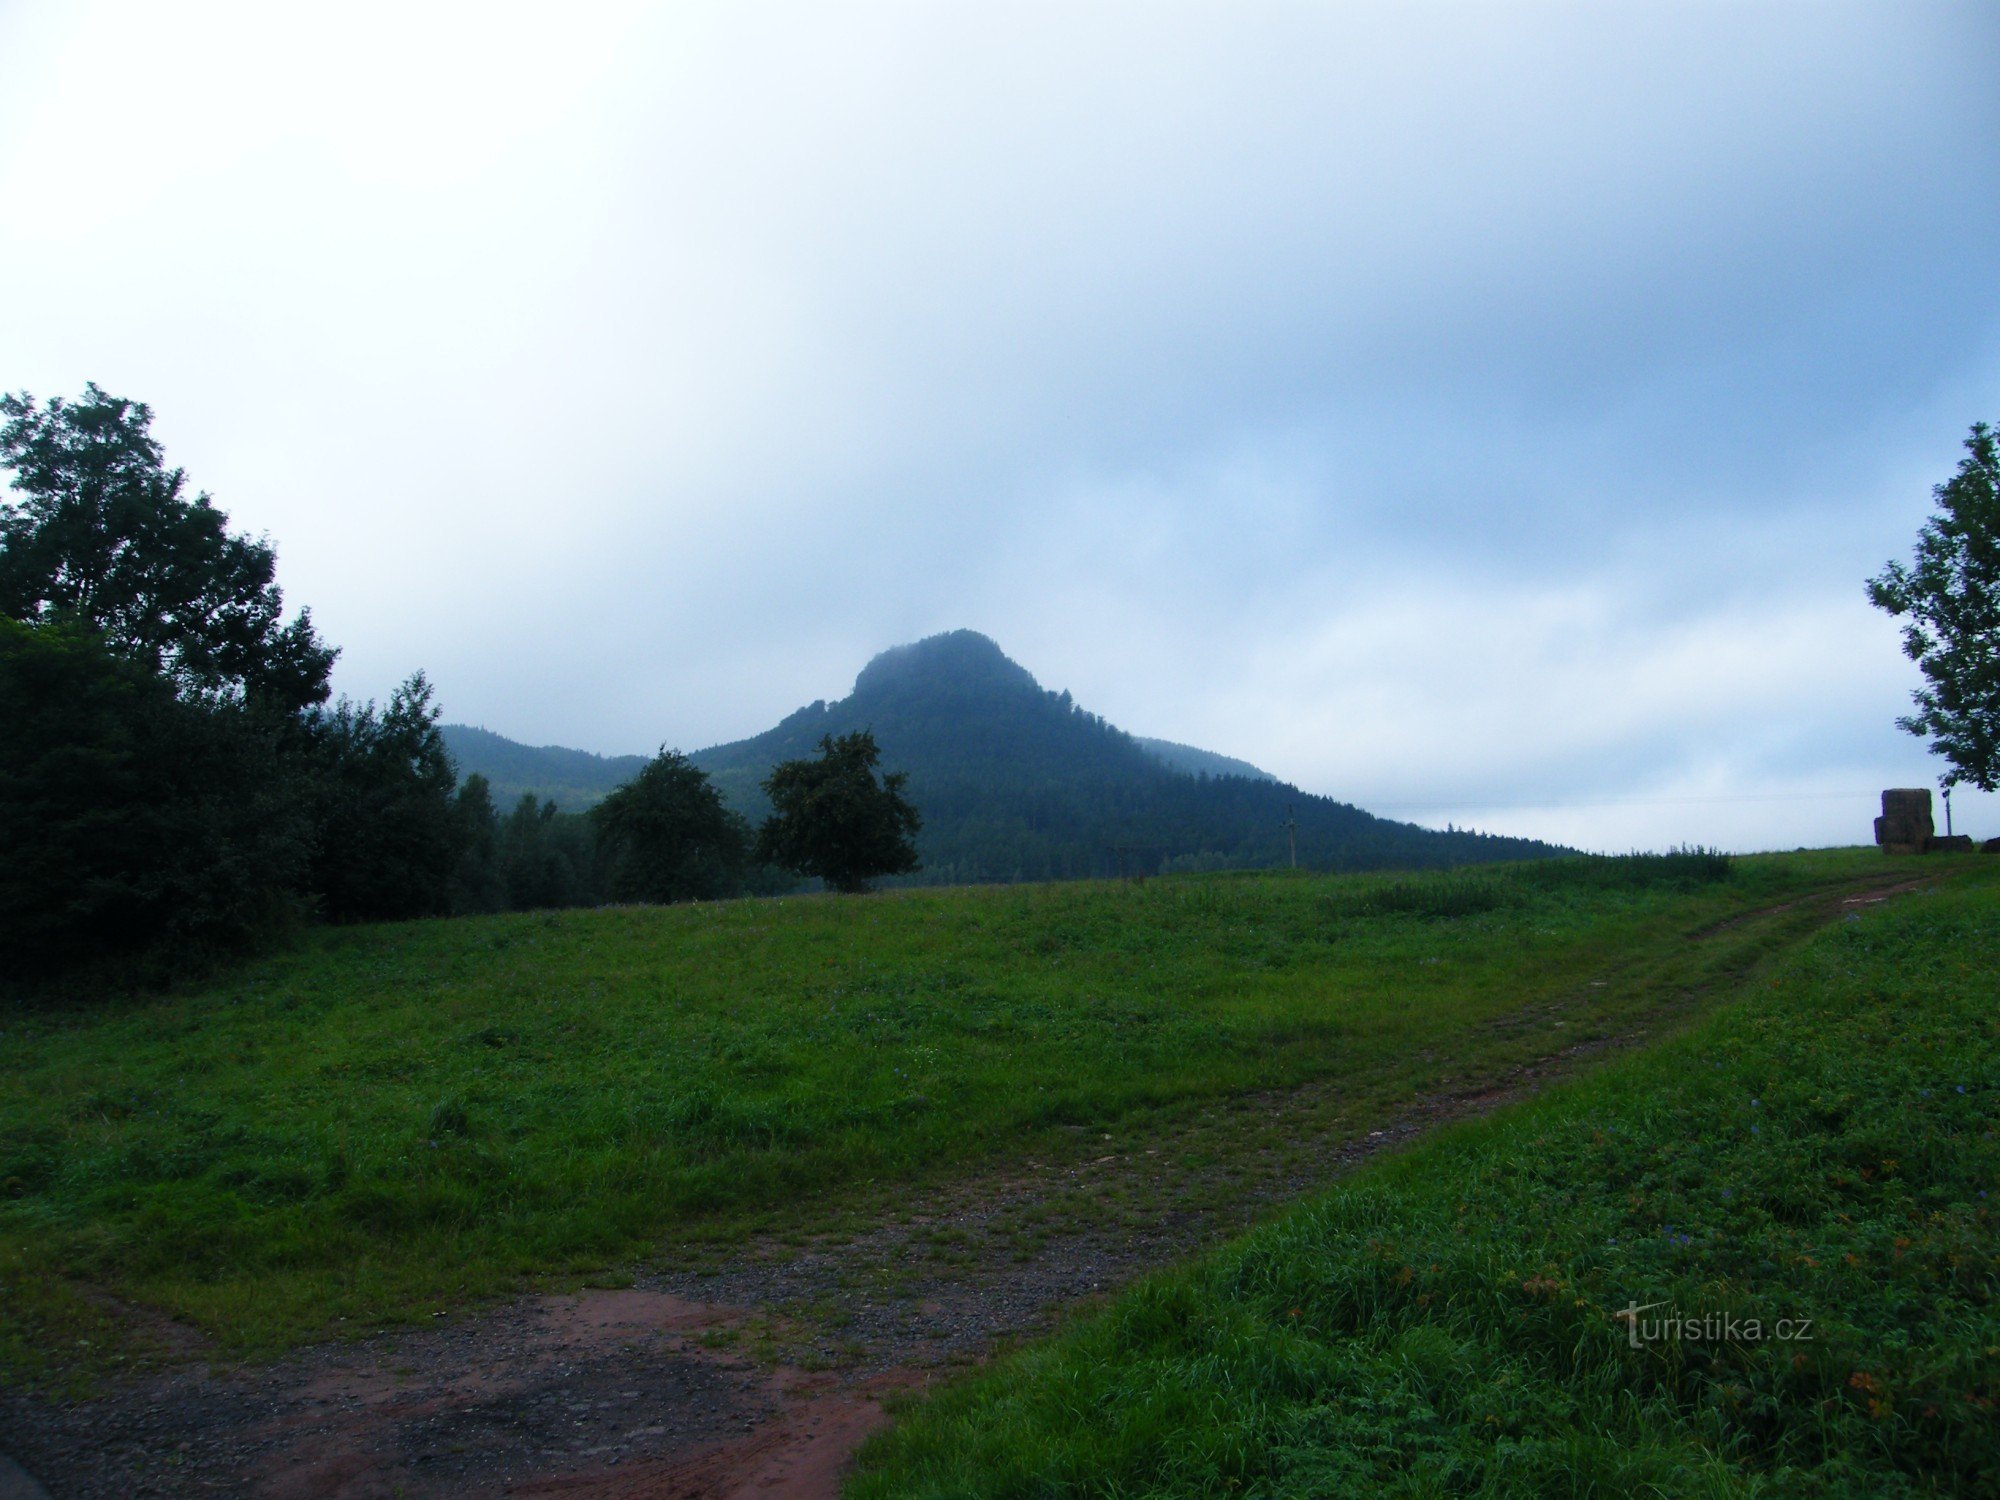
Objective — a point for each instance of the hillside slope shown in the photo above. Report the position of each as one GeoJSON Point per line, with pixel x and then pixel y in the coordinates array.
{"type": "Point", "coordinates": [572, 779]}
{"type": "Point", "coordinates": [1019, 783]}
{"type": "Point", "coordinates": [1194, 761]}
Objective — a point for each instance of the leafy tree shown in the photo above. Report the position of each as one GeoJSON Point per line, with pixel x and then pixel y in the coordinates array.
{"type": "Point", "coordinates": [833, 818]}
{"type": "Point", "coordinates": [668, 837]}
{"type": "Point", "coordinates": [1952, 596]}
{"type": "Point", "coordinates": [388, 832]}
{"type": "Point", "coordinates": [477, 884]}
{"type": "Point", "coordinates": [548, 857]}
{"type": "Point", "coordinates": [153, 791]}
{"type": "Point", "coordinates": [135, 823]}
{"type": "Point", "coordinates": [170, 779]}
{"type": "Point", "coordinates": [106, 536]}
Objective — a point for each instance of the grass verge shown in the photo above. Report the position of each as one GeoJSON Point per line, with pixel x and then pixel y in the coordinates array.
{"type": "Point", "coordinates": [1760, 1258]}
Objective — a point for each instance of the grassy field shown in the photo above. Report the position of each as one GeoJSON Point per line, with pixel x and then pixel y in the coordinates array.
{"type": "Point", "coordinates": [1758, 1259]}
{"type": "Point", "coordinates": [390, 1120]}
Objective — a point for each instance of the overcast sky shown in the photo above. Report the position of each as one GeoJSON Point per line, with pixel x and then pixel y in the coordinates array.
{"type": "Point", "coordinates": [1477, 412]}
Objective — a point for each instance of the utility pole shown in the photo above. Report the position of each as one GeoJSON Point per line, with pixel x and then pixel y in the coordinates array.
{"type": "Point", "coordinates": [1292, 828]}
{"type": "Point", "coordinates": [1947, 812]}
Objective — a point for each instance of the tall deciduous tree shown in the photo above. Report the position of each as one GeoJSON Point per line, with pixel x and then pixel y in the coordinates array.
{"type": "Point", "coordinates": [668, 836]}
{"type": "Point", "coordinates": [105, 536]}
{"type": "Point", "coordinates": [170, 778]}
{"type": "Point", "coordinates": [1951, 594]}
{"type": "Point", "coordinates": [832, 817]}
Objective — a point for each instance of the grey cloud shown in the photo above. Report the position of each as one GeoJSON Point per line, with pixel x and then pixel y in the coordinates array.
{"type": "Point", "coordinates": [1273, 377]}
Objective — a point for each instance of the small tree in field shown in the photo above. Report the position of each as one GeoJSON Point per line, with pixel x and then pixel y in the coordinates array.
{"type": "Point", "coordinates": [835, 819]}
{"type": "Point", "coordinates": [668, 836]}
{"type": "Point", "coordinates": [1952, 596]}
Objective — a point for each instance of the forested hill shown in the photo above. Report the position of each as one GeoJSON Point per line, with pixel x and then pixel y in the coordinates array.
{"type": "Point", "coordinates": [1018, 783]}
{"type": "Point", "coordinates": [572, 779]}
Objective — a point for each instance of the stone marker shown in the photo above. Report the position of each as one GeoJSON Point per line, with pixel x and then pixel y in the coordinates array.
{"type": "Point", "coordinates": [1949, 843]}
{"type": "Point", "coordinates": [1905, 826]}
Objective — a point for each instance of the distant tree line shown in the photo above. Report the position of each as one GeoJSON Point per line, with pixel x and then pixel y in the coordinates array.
{"type": "Point", "coordinates": [176, 786]}
{"type": "Point", "coordinates": [666, 835]}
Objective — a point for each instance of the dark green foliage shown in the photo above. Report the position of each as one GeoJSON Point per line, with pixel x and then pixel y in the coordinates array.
{"type": "Point", "coordinates": [834, 819]}
{"type": "Point", "coordinates": [666, 836]}
{"type": "Point", "coordinates": [1952, 596]}
{"type": "Point", "coordinates": [388, 833]}
{"type": "Point", "coordinates": [533, 859]}
{"type": "Point", "coordinates": [134, 822]}
{"type": "Point", "coordinates": [477, 884]}
{"type": "Point", "coordinates": [1017, 783]}
{"type": "Point", "coordinates": [548, 858]}
{"type": "Point", "coordinates": [540, 856]}
{"type": "Point", "coordinates": [104, 536]}
{"type": "Point", "coordinates": [175, 787]}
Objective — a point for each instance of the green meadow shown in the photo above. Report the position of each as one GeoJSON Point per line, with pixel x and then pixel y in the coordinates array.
{"type": "Point", "coordinates": [386, 1121]}
{"type": "Point", "coordinates": [1799, 1191]}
